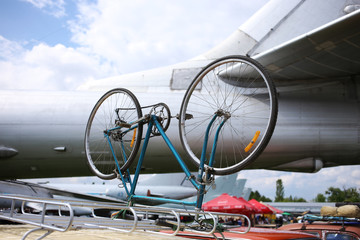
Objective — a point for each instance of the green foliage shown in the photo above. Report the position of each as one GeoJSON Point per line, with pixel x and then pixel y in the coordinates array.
{"type": "Point", "coordinates": [333, 194]}
{"type": "Point", "coordinates": [294, 199]}
{"type": "Point", "coordinates": [320, 198]}
{"type": "Point", "coordinates": [261, 198]}
{"type": "Point", "coordinates": [255, 195]}
{"type": "Point", "coordinates": [279, 195]}
{"type": "Point", "coordinates": [346, 195]}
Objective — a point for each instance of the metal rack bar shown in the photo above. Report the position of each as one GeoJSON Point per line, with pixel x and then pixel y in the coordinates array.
{"type": "Point", "coordinates": [140, 217]}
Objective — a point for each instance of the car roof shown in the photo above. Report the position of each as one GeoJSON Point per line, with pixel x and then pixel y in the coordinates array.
{"type": "Point", "coordinates": [348, 227]}
{"type": "Point", "coordinates": [265, 233]}
{"type": "Point", "coordinates": [253, 234]}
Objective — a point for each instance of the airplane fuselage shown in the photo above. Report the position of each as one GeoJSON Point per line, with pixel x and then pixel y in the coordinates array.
{"type": "Point", "coordinates": [317, 126]}
{"type": "Point", "coordinates": [315, 66]}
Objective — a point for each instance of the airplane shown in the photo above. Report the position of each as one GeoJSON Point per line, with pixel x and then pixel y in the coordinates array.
{"type": "Point", "coordinates": [153, 185]}
{"type": "Point", "coordinates": [229, 184]}
{"type": "Point", "coordinates": [170, 186]}
{"type": "Point", "coordinates": [311, 50]}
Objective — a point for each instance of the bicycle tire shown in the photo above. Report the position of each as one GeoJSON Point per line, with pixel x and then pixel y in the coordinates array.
{"type": "Point", "coordinates": [115, 105]}
{"type": "Point", "coordinates": [241, 87]}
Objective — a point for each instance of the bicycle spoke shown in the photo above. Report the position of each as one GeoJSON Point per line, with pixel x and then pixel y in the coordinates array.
{"type": "Point", "coordinates": [239, 88]}
{"type": "Point", "coordinates": [105, 141]}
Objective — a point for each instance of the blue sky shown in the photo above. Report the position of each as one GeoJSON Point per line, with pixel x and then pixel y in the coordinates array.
{"type": "Point", "coordinates": [61, 44]}
{"type": "Point", "coordinates": [23, 21]}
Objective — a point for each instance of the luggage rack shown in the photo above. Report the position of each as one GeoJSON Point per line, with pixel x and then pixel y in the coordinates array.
{"type": "Point", "coordinates": [308, 219]}
{"type": "Point", "coordinates": [343, 213]}
{"type": "Point", "coordinates": [312, 218]}
{"type": "Point", "coordinates": [156, 220]}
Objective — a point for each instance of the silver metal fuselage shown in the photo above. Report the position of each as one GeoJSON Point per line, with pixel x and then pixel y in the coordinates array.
{"type": "Point", "coordinates": [311, 48]}
{"type": "Point", "coordinates": [47, 129]}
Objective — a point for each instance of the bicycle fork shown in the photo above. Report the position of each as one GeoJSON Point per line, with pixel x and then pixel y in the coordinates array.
{"type": "Point", "coordinates": [204, 175]}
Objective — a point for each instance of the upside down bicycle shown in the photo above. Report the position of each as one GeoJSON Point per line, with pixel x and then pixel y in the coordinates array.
{"type": "Point", "coordinates": [231, 104]}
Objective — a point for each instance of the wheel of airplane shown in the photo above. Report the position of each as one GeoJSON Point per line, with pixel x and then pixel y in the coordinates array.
{"type": "Point", "coordinates": [111, 137]}
{"type": "Point", "coordinates": [236, 89]}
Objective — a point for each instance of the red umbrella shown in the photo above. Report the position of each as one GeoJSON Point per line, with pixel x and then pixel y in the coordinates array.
{"type": "Point", "coordinates": [260, 208]}
{"type": "Point", "coordinates": [251, 208]}
{"type": "Point", "coordinates": [274, 209]}
{"type": "Point", "coordinates": [225, 203]}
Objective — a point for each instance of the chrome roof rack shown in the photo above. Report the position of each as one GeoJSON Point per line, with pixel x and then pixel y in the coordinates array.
{"type": "Point", "coordinates": [155, 220]}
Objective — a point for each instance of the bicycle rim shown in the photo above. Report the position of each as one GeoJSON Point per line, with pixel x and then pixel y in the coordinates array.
{"type": "Point", "coordinates": [242, 88]}
{"type": "Point", "coordinates": [122, 144]}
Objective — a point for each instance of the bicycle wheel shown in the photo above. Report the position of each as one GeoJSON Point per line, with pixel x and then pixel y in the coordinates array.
{"type": "Point", "coordinates": [109, 135]}
{"type": "Point", "coordinates": [240, 89]}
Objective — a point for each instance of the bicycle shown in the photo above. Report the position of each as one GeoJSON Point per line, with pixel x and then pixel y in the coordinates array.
{"type": "Point", "coordinates": [232, 103]}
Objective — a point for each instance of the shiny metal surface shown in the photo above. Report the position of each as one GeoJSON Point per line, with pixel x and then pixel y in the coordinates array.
{"type": "Point", "coordinates": [315, 65]}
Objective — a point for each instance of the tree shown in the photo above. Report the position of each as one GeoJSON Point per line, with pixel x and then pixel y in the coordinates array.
{"type": "Point", "coordinates": [256, 195]}
{"type": "Point", "coordinates": [294, 199]}
{"type": "Point", "coordinates": [320, 198]}
{"type": "Point", "coordinates": [279, 195]}
{"type": "Point", "coordinates": [346, 195]}
{"type": "Point", "coordinates": [265, 199]}
{"type": "Point", "coordinates": [352, 195]}
{"type": "Point", "coordinates": [335, 194]}
{"type": "Point", "coordinates": [299, 199]}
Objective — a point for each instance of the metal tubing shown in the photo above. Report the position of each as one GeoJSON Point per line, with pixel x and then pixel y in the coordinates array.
{"type": "Point", "coordinates": [200, 187]}
{"type": "Point", "coordinates": [203, 151]}
{"type": "Point", "coordinates": [41, 224]}
{"type": "Point", "coordinates": [212, 156]}
{"type": "Point", "coordinates": [12, 207]}
{"type": "Point", "coordinates": [37, 229]}
{"type": "Point", "coordinates": [141, 158]}
{"type": "Point", "coordinates": [201, 192]}
{"type": "Point", "coordinates": [117, 163]}
{"type": "Point", "coordinates": [178, 223]}
{"type": "Point", "coordinates": [118, 224]}
{"type": "Point", "coordinates": [175, 153]}
{"type": "Point", "coordinates": [113, 152]}
{"type": "Point", "coordinates": [248, 227]}
{"type": "Point", "coordinates": [200, 197]}
{"type": "Point", "coordinates": [135, 220]}
{"type": "Point", "coordinates": [124, 183]}
{"type": "Point", "coordinates": [164, 200]}
{"type": "Point", "coordinates": [43, 213]}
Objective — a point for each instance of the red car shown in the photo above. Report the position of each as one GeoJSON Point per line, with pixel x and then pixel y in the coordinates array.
{"type": "Point", "coordinates": [328, 231]}
{"type": "Point", "coordinates": [254, 233]}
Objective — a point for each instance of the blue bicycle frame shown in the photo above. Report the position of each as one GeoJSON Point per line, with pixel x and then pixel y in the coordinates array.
{"type": "Point", "coordinates": [199, 183]}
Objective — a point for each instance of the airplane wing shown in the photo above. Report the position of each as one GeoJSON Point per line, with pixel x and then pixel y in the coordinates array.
{"type": "Point", "coordinates": [330, 51]}
{"type": "Point", "coordinates": [72, 194]}
{"type": "Point", "coordinates": [15, 187]}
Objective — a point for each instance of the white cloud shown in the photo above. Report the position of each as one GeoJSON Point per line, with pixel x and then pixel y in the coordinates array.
{"type": "Point", "coordinates": [48, 68]}
{"type": "Point", "coordinates": [305, 185]}
{"type": "Point", "coordinates": [142, 34]}
{"type": "Point", "coordinates": [115, 37]}
{"type": "Point", "coordinates": [8, 49]}
{"type": "Point", "coordinates": [55, 8]}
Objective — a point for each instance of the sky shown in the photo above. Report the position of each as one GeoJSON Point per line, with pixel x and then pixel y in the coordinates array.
{"type": "Point", "coordinates": [61, 44]}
